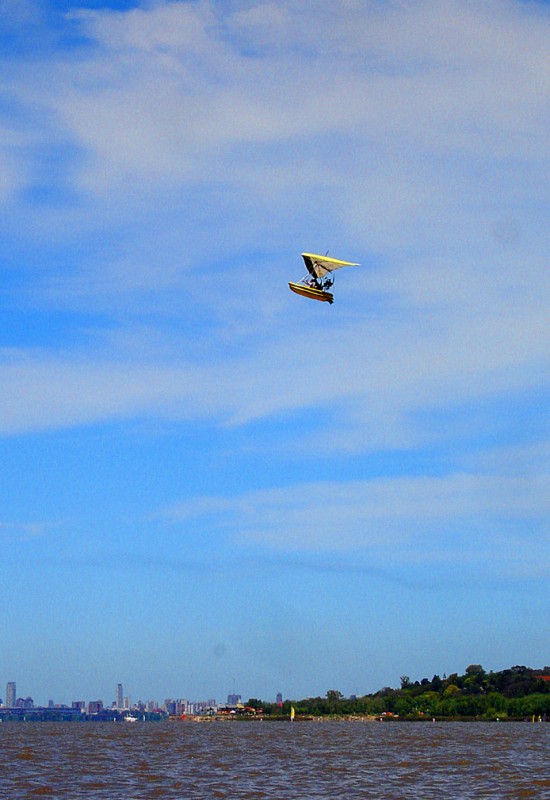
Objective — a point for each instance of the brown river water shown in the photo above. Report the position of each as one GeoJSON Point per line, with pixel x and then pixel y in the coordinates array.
{"type": "Point", "coordinates": [281, 760]}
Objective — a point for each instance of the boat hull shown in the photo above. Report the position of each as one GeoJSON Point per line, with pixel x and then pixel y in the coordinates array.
{"type": "Point", "coordinates": [311, 292]}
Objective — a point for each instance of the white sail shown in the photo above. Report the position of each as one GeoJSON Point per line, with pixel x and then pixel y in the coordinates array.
{"type": "Point", "coordinates": [319, 266]}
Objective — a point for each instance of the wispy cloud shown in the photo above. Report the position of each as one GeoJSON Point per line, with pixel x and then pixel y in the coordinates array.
{"type": "Point", "coordinates": [23, 531]}
{"type": "Point", "coordinates": [451, 520]}
{"type": "Point", "coordinates": [162, 166]}
{"type": "Point", "coordinates": [376, 376]}
{"type": "Point", "coordinates": [416, 131]}
{"type": "Point", "coordinates": [170, 94]}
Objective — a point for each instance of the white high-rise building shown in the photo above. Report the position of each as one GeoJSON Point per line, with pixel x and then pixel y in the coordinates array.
{"type": "Point", "coordinates": [10, 695]}
{"type": "Point", "coordinates": [119, 696]}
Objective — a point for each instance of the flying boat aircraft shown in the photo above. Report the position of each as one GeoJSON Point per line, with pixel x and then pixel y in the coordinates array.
{"type": "Point", "coordinates": [319, 279]}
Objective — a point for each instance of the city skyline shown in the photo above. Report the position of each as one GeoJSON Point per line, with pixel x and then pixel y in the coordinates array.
{"type": "Point", "coordinates": [206, 478]}
{"type": "Point", "coordinates": [121, 702]}
{"type": "Point", "coordinates": [182, 705]}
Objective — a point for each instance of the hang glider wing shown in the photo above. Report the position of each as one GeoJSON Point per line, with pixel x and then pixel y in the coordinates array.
{"type": "Point", "coordinates": [319, 266]}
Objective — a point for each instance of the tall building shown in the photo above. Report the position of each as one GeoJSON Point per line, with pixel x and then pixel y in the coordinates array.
{"type": "Point", "coordinates": [10, 695]}
{"type": "Point", "coordinates": [119, 696]}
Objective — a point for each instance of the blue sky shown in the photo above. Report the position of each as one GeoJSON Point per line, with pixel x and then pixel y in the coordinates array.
{"type": "Point", "coordinates": [208, 482]}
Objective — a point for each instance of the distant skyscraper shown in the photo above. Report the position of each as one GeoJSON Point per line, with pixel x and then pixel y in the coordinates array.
{"type": "Point", "coordinates": [119, 696]}
{"type": "Point", "coordinates": [10, 695]}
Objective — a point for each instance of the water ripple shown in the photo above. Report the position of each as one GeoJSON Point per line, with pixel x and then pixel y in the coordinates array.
{"type": "Point", "coordinates": [252, 760]}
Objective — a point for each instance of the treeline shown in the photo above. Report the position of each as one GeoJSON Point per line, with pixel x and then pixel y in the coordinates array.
{"type": "Point", "coordinates": [518, 693]}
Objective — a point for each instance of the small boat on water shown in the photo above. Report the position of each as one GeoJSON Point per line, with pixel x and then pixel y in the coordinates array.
{"type": "Point", "coordinates": [130, 718]}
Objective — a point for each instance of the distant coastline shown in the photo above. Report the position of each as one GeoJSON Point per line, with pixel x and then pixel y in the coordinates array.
{"type": "Point", "coordinates": [516, 694]}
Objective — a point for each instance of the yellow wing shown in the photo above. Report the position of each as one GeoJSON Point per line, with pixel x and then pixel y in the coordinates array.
{"type": "Point", "coordinates": [319, 265]}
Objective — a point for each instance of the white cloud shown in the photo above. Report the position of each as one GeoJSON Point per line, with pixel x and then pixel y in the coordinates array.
{"type": "Point", "coordinates": [374, 377]}
{"type": "Point", "coordinates": [171, 86]}
{"type": "Point", "coordinates": [22, 531]}
{"type": "Point", "coordinates": [171, 27]}
{"type": "Point", "coordinates": [455, 518]}
{"type": "Point", "coordinates": [526, 460]}
{"type": "Point", "coordinates": [207, 134]}
{"type": "Point", "coordinates": [161, 169]}
{"type": "Point", "coordinates": [45, 392]}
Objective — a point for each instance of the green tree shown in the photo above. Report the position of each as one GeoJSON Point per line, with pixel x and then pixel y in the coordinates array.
{"type": "Point", "coordinates": [404, 705]}
{"type": "Point", "coordinates": [475, 669]}
{"type": "Point", "coordinates": [428, 702]}
{"type": "Point", "coordinates": [475, 679]}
